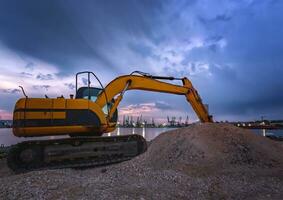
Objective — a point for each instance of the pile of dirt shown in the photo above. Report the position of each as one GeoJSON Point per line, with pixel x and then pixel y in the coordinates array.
{"type": "Point", "coordinates": [219, 145]}
{"type": "Point", "coordinates": [203, 161]}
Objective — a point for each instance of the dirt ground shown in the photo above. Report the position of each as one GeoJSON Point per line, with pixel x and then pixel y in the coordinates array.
{"type": "Point", "coordinates": [203, 161]}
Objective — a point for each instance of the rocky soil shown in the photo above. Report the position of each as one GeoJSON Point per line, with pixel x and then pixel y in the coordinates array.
{"type": "Point", "coordinates": [203, 161]}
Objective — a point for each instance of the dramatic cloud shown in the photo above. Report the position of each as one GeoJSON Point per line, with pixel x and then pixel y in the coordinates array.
{"type": "Point", "coordinates": [71, 86]}
{"type": "Point", "coordinates": [38, 87]}
{"type": "Point", "coordinates": [44, 76]}
{"type": "Point", "coordinates": [150, 110]}
{"type": "Point", "coordinates": [231, 50]}
{"type": "Point", "coordinates": [11, 91]}
{"type": "Point", "coordinates": [137, 109]}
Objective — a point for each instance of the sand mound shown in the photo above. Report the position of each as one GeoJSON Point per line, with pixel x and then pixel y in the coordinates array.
{"type": "Point", "coordinates": [221, 145]}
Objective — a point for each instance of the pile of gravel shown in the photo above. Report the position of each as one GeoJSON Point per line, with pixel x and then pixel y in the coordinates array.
{"type": "Point", "coordinates": [215, 145]}
{"type": "Point", "coordinates": [205, 161]}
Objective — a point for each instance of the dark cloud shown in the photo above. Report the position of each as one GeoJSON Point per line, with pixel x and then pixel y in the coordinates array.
{"type": "Point", "coordinates": [216, 19]}
{"type": "Point", "coordinates": [268, 105]}
{"type": "Point", "coordinates": [85, 81]}
{"type": "Point", "coordinates": [62, 34]}
{"type": "Point", "coordinates": [240, 42]}
{"type": "Point", "coordinates": [10, 91]}
{"type": "Point", "coordinates": [222, 17]}
{"type": "Point", "coordinates": [163, 106]}
{"type": "Point", "coordinates": [44, 77]}
{"type": "Point", "coordinates": [213, 39]}
{"type": "Point", "coordinates": [40, 87]}
{"type": "Point", "coordinates": [25, 74]}
{"type": "Point", "coordinates": [30, 66]}
{"type": "Point", "coordinates": [71, 86]}
{"type": "Point", "coordinates": [43, 30]}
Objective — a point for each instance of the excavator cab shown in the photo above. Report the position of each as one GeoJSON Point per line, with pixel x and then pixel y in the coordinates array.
{"type": "Point", "coordinates": [91, 93]}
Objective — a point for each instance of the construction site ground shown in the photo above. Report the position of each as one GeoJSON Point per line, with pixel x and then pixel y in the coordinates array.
{"type": "Point", "coordinates": [203, 161]}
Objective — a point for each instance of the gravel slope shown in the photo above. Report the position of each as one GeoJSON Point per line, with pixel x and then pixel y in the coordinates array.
{"type": "Point", "coordinates": [203, 161]}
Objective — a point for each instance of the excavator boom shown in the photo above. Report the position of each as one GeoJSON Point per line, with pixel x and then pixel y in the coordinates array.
{"type": "Point", "coordinates": [149, 83]}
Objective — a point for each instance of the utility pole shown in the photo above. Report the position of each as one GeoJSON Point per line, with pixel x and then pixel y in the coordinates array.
{"type": "Point", "coordinates": [138, 121]}
{"type": "Point", "coordinates": [187, 121]}
{"type": "Point", "coordinates": [131, 122]}
{"type": "Point", "coordinates": [180, 121]}
{"type": "Point", "coordinates": [174, 121]}
{"type": "Point", "coordinates": [152, 122]}
{"type": "Point", "coordinates": [124, 119]}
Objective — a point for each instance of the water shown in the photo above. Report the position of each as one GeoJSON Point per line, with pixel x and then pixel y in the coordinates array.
{"type": "Point", "coordinates": [147, 133]}
{"type": "Point", "coordinates": [7, 138]}
{"type": "Point", "coordinates": [265, 132]}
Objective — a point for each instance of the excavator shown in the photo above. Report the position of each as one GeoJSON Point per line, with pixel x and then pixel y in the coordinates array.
{"type": "Point", "coordinates": [83, 119]}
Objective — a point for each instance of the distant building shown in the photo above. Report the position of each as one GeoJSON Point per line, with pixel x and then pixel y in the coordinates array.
{"type": "Point", "coordinates": [6, 123]}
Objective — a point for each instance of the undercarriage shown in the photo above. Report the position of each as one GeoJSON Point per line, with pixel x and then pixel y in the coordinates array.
{"type": "Point", "coordinates": [77, 152]}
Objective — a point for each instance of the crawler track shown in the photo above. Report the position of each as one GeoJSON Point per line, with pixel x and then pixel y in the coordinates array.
{"type": "Point", "coordinates": [74, 152]}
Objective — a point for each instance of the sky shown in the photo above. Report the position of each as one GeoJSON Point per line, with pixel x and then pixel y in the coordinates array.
{"type": "Point", "coordinates": [231, 50]}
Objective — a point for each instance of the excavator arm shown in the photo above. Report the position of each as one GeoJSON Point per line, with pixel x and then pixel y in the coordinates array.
{"type": "Point", "coordinates": [116, 89]}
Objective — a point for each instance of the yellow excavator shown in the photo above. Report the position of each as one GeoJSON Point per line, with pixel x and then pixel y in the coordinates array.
{"type": "Point", "coordinates": [85, 119]}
